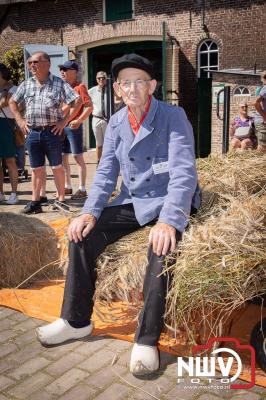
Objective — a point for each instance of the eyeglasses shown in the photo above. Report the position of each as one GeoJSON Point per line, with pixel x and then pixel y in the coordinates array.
{"type": "Point", "coordinates": [243, 106]}
{"type": "Point", "coordinates": [35, 61]}
{"type": "Point", "coordinates": [139, 83]}
{"type": "Point", "coordinates": [101, 78]}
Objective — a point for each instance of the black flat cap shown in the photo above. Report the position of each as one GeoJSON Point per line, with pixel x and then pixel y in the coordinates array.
{"type": "Point", "coordinates": [131, 61]}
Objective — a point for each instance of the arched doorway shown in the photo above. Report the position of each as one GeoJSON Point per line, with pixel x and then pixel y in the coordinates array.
{"type": "Point", "coordinates": [100, 59]}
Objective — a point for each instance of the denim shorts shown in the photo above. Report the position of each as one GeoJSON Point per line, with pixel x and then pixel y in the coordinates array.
{"type": "Point", "coordinates": [73, 142]}
{"type": "Point", "coordinates": [44, 143]}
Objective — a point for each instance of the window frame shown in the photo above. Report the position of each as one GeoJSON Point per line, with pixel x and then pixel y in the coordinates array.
{"type": "Point", "coordinates": [241, 88]}
{"type": "Point", "coordinates": [207, 52]}
{"type": "Point", "coordinates": [118, 20]}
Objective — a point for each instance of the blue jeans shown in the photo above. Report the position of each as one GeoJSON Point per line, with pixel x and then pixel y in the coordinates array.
{"type": "Point", "coordinates": [73, 142]}
{"type": "Point", "coordinates": [20, 154]}
{"type": "Point", "coordinates": [44, 143]}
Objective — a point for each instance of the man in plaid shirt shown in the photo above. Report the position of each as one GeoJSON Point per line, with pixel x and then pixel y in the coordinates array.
{"type": "Point", "coordinates": [43, 123]}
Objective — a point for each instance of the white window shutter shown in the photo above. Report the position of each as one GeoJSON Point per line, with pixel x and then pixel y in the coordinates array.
{"type": "Point", "coordinates": [58, 55]}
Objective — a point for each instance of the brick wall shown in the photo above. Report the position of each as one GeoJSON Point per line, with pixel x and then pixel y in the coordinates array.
{"type": "Point", "coordinates": [237, 27]}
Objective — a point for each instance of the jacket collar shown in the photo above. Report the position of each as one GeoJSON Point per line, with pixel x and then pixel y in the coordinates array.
{"type": "Point", "coordinates": [125, 130]}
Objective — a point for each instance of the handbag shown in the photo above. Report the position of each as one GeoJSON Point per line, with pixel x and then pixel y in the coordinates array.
{"type": "Point", "coordinates": [244, 132]}
{"type": "Point", "coordinates": [19, 135]}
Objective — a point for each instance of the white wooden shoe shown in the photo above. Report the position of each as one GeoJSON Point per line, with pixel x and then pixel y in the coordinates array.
{"type": "Point", "coordinates": [144, 359]}
{"type": "Point", "coordinates": [60, 331]}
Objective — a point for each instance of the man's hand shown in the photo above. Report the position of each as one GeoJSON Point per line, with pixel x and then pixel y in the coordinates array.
{"type": "Point", "coordinates": [81, 227]}
{"type": "Point", "coordinates": [162, 237]}
{"type": "Point", "coordinates": [57, 128]}
{"type": "Point", "coordinates": [75, 124]}
{"type": "Point", "coordinates": [23, 125]}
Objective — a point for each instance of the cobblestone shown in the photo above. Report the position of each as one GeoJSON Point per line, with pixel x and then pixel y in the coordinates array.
{"type": "Point", "coordinates": [7, 348]}
{"type": "Point", "coordinates": [7, 335]}
{"type": "Point", "coordinates": [115, 392]}
{"type": "Point", "coordinates": [66, 381]}
{"type": "Point", "coordinates": [6, 312]}
{"type": "Point", "coordinates": [30, 385]}
{"type": "Point", "coordinates": [29, 367]}
{"type": "Point", "coordinates": [64, 364]}
{"type": "Point", "coordinates": [95, 362]}
{"type": "Point", "coordinates": [5, 382]}
{"type": "Point", "coordinates": [105, 376]}
{"type": "Point", "coordinates": [246, 396]}
{"type": "Point", "coordinates": [81, 392]}
{"type": "Point", "coordinates": [207, 396]}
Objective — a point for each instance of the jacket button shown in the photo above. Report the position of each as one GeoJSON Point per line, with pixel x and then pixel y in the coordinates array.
{"type": "Point", "coordinates": [148, 180]}
{"type": "Point", "coordinates": [148, 158]}
{"type": "Point", "coordinates": [132, 159]}
{"type": "Point", "coordinates": [132, 179]}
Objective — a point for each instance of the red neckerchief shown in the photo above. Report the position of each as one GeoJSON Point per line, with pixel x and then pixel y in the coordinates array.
{"type": "Point", "coordinates": [135, 125]}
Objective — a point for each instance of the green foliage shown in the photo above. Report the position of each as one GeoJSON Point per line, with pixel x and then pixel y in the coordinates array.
{"type": "Point", "coordinates": [14, 60]}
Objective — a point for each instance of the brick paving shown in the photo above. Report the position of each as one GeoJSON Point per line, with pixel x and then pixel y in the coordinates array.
{"type": "Point", "coordinates": [83, 369]}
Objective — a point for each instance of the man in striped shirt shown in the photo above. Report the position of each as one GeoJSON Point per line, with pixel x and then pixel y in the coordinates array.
{"type": "Point", "coordinates": [43, 123]}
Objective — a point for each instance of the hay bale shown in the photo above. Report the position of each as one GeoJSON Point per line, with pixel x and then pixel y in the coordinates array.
{"type": "Point", "coordinates": [239, 174]}
{"type": "Point", "coordinates": [121, 268]}
{"type": "Point", "coordinates": [27, 244]}
{"type": "Point", "coordinates": [221, 265]}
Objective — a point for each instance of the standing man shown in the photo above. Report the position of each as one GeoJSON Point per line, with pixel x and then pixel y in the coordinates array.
{"type": "Point", "coordinates": [152, 144]}
{"type": "Point", "coordinates": [43, 123]}
{"type": "Point", "coordinates": [260, 116]}
{"type": "Point", "coordinates": [99, 121]}
{"type": "Point", "coordinates": [73, 142]}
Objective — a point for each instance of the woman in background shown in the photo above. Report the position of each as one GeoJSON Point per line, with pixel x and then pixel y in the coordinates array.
{"type": "Point", "coordinates": [242, 131]}
{"type": "Point", "coordinates": [7, 137]}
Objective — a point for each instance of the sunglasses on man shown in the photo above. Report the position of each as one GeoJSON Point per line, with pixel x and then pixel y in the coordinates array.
{"type": "Point", "coordinates": [35, 62]}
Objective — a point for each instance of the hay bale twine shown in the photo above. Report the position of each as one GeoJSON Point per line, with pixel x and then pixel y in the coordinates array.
{"type": "Point", "coordinates": [27, 244]}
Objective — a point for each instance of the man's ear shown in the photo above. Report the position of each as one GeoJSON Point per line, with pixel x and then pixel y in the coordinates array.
{"type": "Point", "coordinates": [117, 88]}
{"type": "Point", "coordinates": [152, 86]}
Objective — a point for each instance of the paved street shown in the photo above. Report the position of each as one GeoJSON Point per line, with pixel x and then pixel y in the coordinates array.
{"type": "Point", "coordinates": [91, 368]}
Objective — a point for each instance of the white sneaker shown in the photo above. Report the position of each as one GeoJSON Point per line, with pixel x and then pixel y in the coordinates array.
{"type": "Point", "coordinates": [13, 199]}
{"type": "Point", "coordinates": [2, 197]}
{"type": "Point", "coordinates": [60, 331]}
{"type": "Point", "coordinates": [144, 359]}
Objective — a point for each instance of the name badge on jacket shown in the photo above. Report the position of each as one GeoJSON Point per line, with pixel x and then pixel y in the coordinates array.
{"type": "Point", "coordinates": [160, 168]}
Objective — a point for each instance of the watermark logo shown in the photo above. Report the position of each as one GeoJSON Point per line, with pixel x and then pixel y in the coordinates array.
{"type": "Point", "coordinates": [226, 360]}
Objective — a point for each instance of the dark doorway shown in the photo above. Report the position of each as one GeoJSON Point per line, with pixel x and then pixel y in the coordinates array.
{"type": "Point", "coordinates": [204, 117]}
{"type": "Point", "coordinates": [100, 59]}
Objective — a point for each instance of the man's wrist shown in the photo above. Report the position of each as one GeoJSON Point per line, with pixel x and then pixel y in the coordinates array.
{"type": "Point", "coordinates": [89, 218]}
{"type": "Point", "coordinates": [19, 119]}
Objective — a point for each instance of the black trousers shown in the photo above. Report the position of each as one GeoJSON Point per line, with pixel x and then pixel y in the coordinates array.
{"type": "Point", "coordinates": [114, 223]}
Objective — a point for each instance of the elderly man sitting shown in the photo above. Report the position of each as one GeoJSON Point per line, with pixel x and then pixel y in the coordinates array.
{"type": "Point", "coordinates": [152, 144]}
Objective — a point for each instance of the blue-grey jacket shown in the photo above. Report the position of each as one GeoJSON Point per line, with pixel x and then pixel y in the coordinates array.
{"type": "Point", "coordinates": [165, 137]}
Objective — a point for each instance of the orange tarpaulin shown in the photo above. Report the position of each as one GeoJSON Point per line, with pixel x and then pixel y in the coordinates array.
{"type": "Point", "coordinates": [43, 301]}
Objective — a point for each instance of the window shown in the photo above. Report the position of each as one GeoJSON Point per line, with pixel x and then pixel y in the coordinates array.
{"type": "Point", "coordinates": [241, 91]}
{"type": "Point", "coordinates": [208, 58]}
{"type": "Point", "coordinates": [118, 10]}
